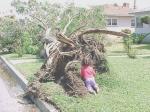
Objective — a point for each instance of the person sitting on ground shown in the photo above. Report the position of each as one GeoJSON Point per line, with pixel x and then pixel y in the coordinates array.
{"type": "Point", "coordinates": [88, 75]}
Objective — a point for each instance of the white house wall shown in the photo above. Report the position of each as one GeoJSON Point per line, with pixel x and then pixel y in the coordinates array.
{"type": "Point", "coordinates": [142, 30]}
{"type": "Point", "coordinates": [123, 23]}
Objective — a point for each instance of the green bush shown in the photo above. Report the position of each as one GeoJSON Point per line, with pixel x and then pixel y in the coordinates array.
{"type": "Point", "coordinates": [128, 42]}
{"type": "Point", "coordinates": [19, 51]}
{"type": "Point", "coordinates": [145, 19]}
{"type": "Point", "coordinates": [26, 41]}
{"type": "Point", "coordinates": [18, 37]}
{"type": "Point", "coordinates": [25, 45]}
{"type": "Point", "coordinates": [132, 53]}
{"type": "Point", "coordinates": [137, 38]}
{"type": "Point", "coordinates": [32, 49]}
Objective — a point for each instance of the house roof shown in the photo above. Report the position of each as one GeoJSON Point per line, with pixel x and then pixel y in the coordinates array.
{"type": "Point", "coordinates": [116, 10]}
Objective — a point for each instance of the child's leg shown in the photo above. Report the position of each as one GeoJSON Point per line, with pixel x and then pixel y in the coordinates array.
{"type": "Point", "coordinates": [90, 89]}
{"type": "Point", "coordinates": [89, 86]}
{"type": "Point", "coordinates": [95, 86]}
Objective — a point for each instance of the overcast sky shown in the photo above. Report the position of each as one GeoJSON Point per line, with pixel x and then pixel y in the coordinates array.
{"type": "Point", "coordinates": [5, 4]}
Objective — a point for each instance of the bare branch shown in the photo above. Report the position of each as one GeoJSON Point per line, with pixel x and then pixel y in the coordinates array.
{"type": "Point", "coordinates": [68, 53]}
{"type": "Point", "coordinates": [76, 30]}
{"type": "Point", "coordinates": [64, 39]}
{"type": "Point", "coordinates": [70, 21]}
{"type": "Point", "coordinates": [67, 25]}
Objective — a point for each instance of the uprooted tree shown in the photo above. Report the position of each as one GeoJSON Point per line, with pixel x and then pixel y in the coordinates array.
{"type": "Point", "coordinates": [64, 54]}
{"type": "Point", "coordinates": [65, 49]}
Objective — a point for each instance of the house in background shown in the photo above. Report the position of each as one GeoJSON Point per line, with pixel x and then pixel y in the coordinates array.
{"type": "Point", "coordinates": [142, 28]}
{"type": "Point", "coordinates": [139, 26]}
{"type": "Point", "coordinates": [7, 13]}
{"type": "Point", "coordinates": [118, 17]}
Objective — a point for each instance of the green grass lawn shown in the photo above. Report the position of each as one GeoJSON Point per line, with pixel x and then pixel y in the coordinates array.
{"type": "Point", "coordinates": [118, 49]}
{"type": "Point", "coordinates": [29, 69]}
{"type": "Point", "coordinates": [14, 56]}
{"type": "Point", "coordinates": [125, 89]}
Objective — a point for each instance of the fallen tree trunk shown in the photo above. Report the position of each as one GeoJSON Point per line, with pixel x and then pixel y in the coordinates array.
{"type": "Point", "coordinates": [102, 31]}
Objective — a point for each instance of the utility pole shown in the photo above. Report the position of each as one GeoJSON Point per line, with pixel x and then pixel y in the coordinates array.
{"type": "Point", "coordinates": [134, 4]}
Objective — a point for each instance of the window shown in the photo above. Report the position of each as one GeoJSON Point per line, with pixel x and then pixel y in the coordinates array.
{"type": "Point", "coordinates": [133, 22]}
{"type": "Point", "coordinates": [108, 21]}
{"type": "Point", "coordinates": [111, 22]}
{"type": "Point", "coordinates": [114, 22]}
{"type": "Point", "coordinates": [139, 24]}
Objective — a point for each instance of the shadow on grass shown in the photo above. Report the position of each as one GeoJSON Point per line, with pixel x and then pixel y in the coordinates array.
{"type": "Point", "coordinates": [146, 57]}
{"type": "Point", "coordinates": [40, 60]}
{"type": "Point", "coordinates": [120, 52]}
{"type": "Point", "coordinates": [144, 47]}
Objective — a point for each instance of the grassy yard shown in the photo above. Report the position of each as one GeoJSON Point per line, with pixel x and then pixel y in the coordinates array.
{"type": "Point", "coordinates": [29, 69]}
{"type": "Point", "coordinates": [125, 89]}
{"type": "Point", "coordinates": [14, 56]}
{"type": "Point", "coordinates": [118, 49]}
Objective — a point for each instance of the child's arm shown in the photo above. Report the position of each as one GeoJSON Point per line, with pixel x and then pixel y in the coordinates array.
{"type": "Point", "coordinates": [94, 73]}
{"type": "Point", "coordinates": [81, 73]}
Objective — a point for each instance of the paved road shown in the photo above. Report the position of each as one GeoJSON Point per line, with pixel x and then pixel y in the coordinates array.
{"type": "Point", "coordinates": [9, 90]}
{"type": "Point", "coordinates": [7, 103]}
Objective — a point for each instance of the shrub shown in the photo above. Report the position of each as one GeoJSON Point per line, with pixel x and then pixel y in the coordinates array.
{"type": "Point", "coordinates": [137, 38]}
{"type": "Point", "coordinates": [19, 51]}
{"type": "Point", "coordinates": [26, 41]}
{"type": "Point", "coordinates": [32, 49]}
{"type": "Point", "coordinates": [128, 42]}
{"type": "Point", "coordinates": [132, 53]}
{"type": "Point", "coordinates": [145, 19]}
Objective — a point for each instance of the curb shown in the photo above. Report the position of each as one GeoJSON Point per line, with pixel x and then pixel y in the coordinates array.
{"type": "Point", "coordinates": [43, 106]}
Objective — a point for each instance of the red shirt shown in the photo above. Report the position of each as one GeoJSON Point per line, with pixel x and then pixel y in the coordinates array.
{"type": "Point", "coordinates": [87, 72]}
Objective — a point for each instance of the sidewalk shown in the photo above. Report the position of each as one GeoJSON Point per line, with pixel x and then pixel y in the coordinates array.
{"type": "Point", "coordinates": [146, 55]}
{"type": "Point", "coordinates": [19, 61]}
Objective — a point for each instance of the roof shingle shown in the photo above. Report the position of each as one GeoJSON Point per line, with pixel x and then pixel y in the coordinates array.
{"type": "Point", "coordinates": [116, 10]}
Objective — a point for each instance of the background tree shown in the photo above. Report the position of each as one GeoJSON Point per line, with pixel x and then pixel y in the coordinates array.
{"type": "Point", "coordinates": [68, 18]}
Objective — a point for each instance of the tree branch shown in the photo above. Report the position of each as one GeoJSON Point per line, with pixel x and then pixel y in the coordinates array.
{"type": "Point", "coordinates": [71, 62]}
{"type": "Point", "coordinates": [68, 53]}
{"type": "Point", "coordinates": [44, 24]}
{"type": "Point", "coordinates": [67, 25]}
{"type": "Point", "coordinates": [76, 30]}
{"type": "Point", "coordinates": [64, 39]}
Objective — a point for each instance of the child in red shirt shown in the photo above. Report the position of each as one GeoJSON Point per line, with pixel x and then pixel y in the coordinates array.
{"type": "Point", "coordinates": [88, 75]}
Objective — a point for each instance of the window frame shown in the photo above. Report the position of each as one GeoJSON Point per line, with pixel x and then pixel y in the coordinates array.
{"type": "Point", "coordinates": [133, 23]}
{"type": "Point", "coordinates": [115, 21]}
{"type": "Point", "coordinates": [110, 22]}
